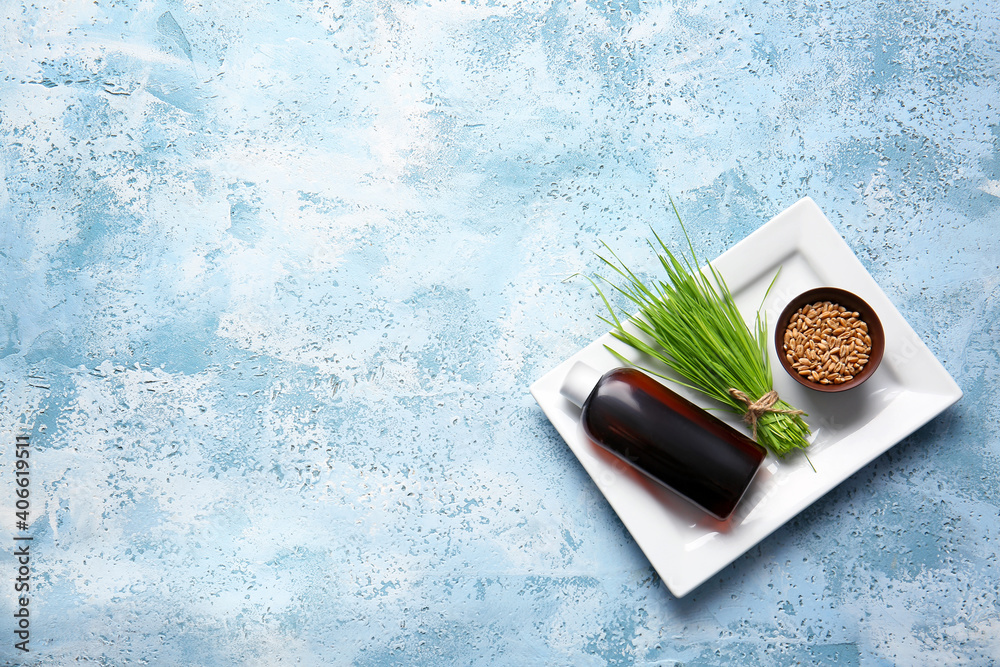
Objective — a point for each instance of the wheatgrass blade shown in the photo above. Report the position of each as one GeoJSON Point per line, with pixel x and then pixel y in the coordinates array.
{"type": "Point", "coordinates": [699, 333]}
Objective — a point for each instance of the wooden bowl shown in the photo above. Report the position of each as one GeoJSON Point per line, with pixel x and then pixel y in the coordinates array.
{"type": "Point", "coordinates": [851, 302]}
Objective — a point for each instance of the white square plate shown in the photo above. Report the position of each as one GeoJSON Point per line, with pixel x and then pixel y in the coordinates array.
{"type": "Point", "coordinates": [850, 429]}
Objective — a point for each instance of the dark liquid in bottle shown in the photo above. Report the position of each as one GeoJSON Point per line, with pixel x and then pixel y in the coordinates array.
{"type": "Point", "coordinates": [672, 440]}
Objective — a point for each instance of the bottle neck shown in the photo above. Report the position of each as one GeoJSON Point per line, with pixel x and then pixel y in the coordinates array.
{"type": "Point", "coordinates": [579, 383]}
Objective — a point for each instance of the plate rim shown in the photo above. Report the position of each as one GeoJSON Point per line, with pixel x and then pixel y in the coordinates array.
{"type": "Point", "coordinates": [800, 228]}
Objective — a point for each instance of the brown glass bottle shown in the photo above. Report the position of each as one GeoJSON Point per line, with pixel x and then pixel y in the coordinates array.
{"type": "Point", "coordinates": [671, 440]}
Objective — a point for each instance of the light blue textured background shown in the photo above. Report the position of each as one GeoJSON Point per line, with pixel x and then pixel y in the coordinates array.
{"type": "Point", "coordinates": [276, 277]}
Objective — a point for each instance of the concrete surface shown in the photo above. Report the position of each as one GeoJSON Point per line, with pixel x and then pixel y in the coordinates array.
{"type": "Point", "coordinates": [276, 277]}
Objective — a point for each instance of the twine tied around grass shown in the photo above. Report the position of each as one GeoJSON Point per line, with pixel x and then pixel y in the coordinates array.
{"type": "Point", "coordinates": [757, 409]}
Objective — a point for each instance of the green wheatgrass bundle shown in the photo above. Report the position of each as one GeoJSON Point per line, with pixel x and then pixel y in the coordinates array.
{"type": "Point", "coordinates": [698, 332]}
